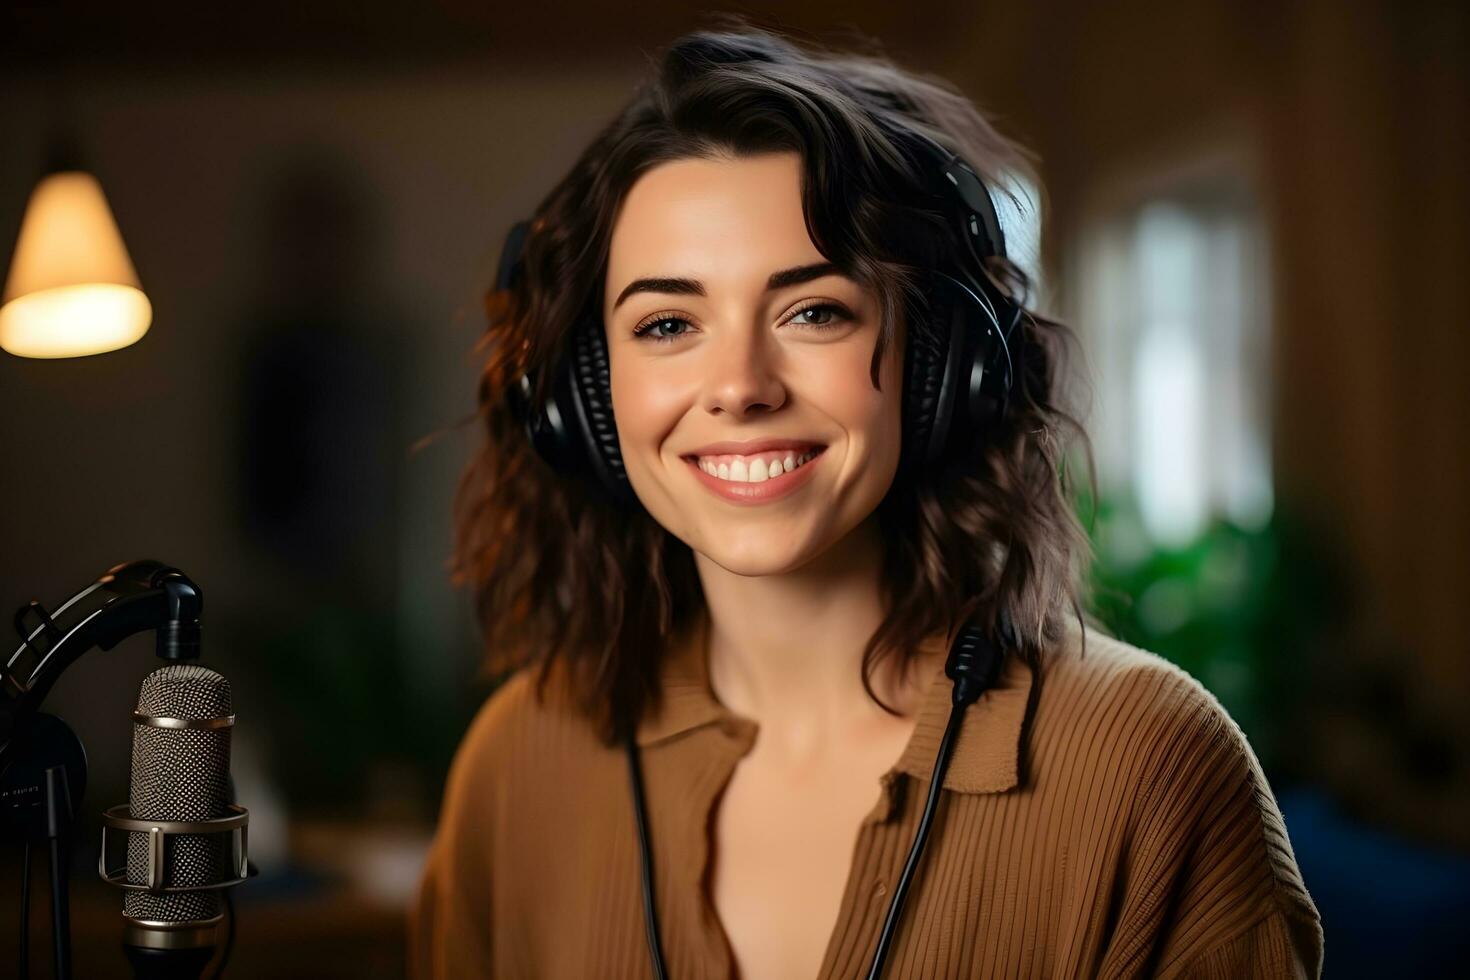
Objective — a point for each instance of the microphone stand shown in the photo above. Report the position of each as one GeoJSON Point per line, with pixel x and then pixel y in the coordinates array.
{"type": "Point", "coordinates": [58, 826]}
{"type": "Point", "coordinates": [38, 806]}
{"type": "Point", "coordinates": [42, 763]}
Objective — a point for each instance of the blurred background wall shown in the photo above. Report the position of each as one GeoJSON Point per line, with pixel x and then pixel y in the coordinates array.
{"type": "Point", "coordinates": [1256, 218]}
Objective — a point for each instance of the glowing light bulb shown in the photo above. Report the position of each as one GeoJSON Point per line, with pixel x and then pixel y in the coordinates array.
{"type": "Point", "coordinates": [72, 289]}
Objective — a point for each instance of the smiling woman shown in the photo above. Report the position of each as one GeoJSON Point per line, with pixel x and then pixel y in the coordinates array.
{"type": "Point", "coordinates": [743, 361]}
{"type": "Point", "coordinates": [807, 440]}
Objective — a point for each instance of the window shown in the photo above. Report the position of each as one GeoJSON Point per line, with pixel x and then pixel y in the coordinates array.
{"type": "Point", "coordinates": [1169, 283]}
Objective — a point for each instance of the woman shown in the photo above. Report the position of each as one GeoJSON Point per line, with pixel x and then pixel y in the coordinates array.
{"type": "Point", "coordinates": [762, 246]}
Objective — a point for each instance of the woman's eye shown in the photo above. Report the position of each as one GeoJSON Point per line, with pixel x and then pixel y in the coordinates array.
{"type": "Point", "coordinates": [818, 314]}
{"type": "Point", "coordinates": [653, 329]}
{"type": "Point", "coordinates": [665, 329]}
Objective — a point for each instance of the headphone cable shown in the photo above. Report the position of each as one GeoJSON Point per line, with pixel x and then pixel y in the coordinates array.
{"type": "Point", "coordinates": [921, 836]}
{"type": "Point", "coordinates": [967, 688]}
{"type": "Point", "coordinates": [650, 913]}
{"type": "Point", "coordinates": [974, 664]}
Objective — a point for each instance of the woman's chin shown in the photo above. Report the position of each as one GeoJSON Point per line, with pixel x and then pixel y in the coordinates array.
{"type": "Point", "coordinates": [756, 556]}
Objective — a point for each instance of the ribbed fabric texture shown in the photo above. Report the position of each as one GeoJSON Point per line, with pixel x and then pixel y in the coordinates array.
{"type": "Point", "coordinates": [1103, 819]}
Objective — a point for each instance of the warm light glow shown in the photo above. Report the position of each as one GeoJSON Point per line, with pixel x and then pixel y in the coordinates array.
{"type": "Point", "coordinates": [72, 289]}
{"type": "Point", "coordinates": [72, 321]}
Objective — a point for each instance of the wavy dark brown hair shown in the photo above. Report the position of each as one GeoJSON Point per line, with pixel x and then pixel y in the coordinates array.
{"type": "Point", "coordinates": [562, 576]}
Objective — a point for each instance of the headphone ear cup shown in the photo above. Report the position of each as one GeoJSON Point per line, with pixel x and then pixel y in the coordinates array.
{"type": "Point", "coordinates": [924, 366]}
{"type": "Point", "coordinates": [594, 426]}
{"type": "Point", "coordinates": [986, 384]}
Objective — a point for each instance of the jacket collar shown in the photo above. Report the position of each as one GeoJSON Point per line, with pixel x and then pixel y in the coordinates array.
{"type": "Point", "coordinates": [986, 757]}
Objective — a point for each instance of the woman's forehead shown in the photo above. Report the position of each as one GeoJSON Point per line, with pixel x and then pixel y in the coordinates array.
{"type": "Point", "coordinates": [725, 219]}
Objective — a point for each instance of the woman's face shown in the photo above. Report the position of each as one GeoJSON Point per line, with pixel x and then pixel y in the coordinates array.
{"type": "Point", "coordinates": [736, 351]}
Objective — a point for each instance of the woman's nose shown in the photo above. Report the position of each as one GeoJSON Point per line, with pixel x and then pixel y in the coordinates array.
{"type": "Point", "coordinates": [742, 374]}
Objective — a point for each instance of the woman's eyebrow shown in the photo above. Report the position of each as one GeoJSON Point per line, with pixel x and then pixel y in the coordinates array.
{"type": "Point", "coordinates": [693, 287]}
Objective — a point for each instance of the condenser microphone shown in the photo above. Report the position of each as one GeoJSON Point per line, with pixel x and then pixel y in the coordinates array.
{"type": "Point", "coordinates": [178, 855]}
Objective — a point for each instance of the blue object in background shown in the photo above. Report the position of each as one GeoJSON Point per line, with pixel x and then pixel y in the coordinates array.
{"type": "Point", "coordinates": [1390, 908]}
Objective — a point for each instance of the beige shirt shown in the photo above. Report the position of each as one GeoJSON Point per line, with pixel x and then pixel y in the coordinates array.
{"type": "Point", "coordinates": [1107, 819]}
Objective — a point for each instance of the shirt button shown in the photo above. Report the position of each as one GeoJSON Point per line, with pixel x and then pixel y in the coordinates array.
{"type": "Point", "coordinates": [879, 889]}
{"type": "Point", "coordinates": [734, 727]}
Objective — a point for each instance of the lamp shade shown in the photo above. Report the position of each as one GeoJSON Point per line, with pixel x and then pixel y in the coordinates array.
{"type": "Point", "coordinates": [72, 289]}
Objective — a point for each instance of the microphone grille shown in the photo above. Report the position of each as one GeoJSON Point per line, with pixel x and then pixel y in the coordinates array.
{"type": "Point", "coordinates": [180, 774]}
{"type": "Point", "coordinates": [187, 691]}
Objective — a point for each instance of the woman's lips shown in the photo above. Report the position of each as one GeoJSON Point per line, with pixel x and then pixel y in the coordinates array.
{"type": "Point", "coordinates": [756, 493]}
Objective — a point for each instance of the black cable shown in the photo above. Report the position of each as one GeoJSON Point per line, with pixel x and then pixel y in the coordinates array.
{"type": "Point", "coordinates": [974, 662]}
{"type": "Point", "coordinates": [60, 919]}
{"type": "Point", "coordinates": [936, 783]}
{"type": "Point", "coordinates": [650, 913]}
{"type": "Point", "coordinates": [25, 912]}
{"type": "Point", "coordinates": [895, 907]}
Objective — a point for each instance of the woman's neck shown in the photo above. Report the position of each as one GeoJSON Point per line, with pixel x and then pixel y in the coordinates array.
{"type": "Point", "coordinates": [786, 650]}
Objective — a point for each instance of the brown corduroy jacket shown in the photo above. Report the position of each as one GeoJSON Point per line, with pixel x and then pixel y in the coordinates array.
{"type": "Point", "coordinates": [1107, 819]}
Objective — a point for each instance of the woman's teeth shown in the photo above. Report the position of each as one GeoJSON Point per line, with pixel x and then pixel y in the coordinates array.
{"type": "Point", "coordinates": [754, 469]}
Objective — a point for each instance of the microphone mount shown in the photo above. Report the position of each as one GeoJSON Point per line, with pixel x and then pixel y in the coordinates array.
{"type": "Point", "coordinates": [42, 762]}
{"type": "Point", "coordinates": [129, 598]}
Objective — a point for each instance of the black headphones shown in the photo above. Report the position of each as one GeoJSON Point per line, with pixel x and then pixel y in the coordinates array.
{"type": "Point", "coordinates": [957, 380]}
{"type": "Point", "coordinates": [953, 392]}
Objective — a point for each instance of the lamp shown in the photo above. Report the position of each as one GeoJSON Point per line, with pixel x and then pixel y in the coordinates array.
{"type": "Point", "coordinates": [72, 289]}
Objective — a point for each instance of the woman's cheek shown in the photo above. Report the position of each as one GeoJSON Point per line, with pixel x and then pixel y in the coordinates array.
{"type": "Point", "coordinates": [849, 397]}
{"type": "Point", "coordinates": [650, 396]}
